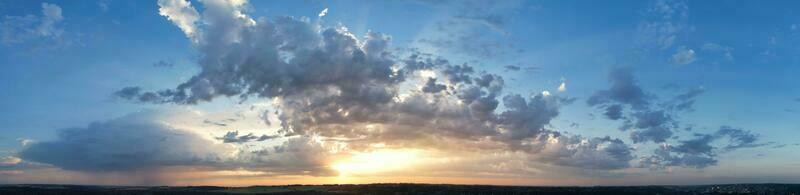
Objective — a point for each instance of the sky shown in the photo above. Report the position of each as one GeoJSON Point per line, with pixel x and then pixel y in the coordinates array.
{"type": "Point", "coordinates": [237, 93]}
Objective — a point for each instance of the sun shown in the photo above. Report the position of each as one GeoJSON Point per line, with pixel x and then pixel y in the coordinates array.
{"type": "Point", "coordinates": [374, 162]}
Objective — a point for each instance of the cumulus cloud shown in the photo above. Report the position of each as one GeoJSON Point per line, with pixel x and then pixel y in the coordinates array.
{"type": "Point", "coordinates": [181, 13]}
{"type": "Point", "coordinates": [655, 126]}
{"type": "Point", "coordinates": [590, 153]}
{"type": "Point", "coordinates": [431, 86]}
{"type": "Point", "coordinates": [330, 84]}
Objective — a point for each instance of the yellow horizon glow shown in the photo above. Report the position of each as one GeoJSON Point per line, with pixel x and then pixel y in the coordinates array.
{"type": "Point", "coordinates": [374, 162]}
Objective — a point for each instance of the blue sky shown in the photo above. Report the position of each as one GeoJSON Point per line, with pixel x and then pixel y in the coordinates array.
{"type": "Point", "coordinates": [705, 90]}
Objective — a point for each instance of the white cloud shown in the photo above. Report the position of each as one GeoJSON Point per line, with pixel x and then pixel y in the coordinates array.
{"type": "Point", "coordinates": [20, 29]}
{"type": "Point", "coordinates": [25, 142]}
{"type": "Point", "coordinates": [665, 22]}
{"type": "Point", "coordinates": [323, 12]}
{"type": "Point", "coordinates": [10, 161]}
{"type": "Point", "coordinates": [562, 87]}
{"type": "Point", "coordinates": [51, 16]}
{"type": "Point", "coordinates": [683, 56]}
{"type": "Point", "coordinates": [726, 51]}
{"type": "Point", "coordinates": [181, 13]}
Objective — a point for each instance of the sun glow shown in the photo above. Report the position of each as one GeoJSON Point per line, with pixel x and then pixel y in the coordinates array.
{"type": "Point", "coordinates": [376, 162]}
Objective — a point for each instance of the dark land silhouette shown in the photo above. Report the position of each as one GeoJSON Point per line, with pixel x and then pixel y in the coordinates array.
{"type": "Point", "coordinates": [777, 189]}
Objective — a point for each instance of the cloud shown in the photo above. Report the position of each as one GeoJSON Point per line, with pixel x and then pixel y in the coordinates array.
{"type": "Point", "coordinates": [701, 151]}
{"type": "Point", "coordinates": [522, 68]}
{"type": "Point", "coordinates": [323, 12]}
{"type": "Point", "coordinates": [594, 153]}
{"type": "Point", "coordinates": [473, 28]}
{"type": "Point", "coordinates": [9, 161]}
{"type": "Point", "coordinates": [431, 86]}
{"type": "Point", "coordinates": [726, 51]}
{"type": "Point", "coordinates": [162, 63]}
{"type": "Point", "coordinates": [738, 138]}
{"type": "Point", "coordinates": [683, 56]}
{"type": "Point", "coordinates": [330, 86]}
{"type": "Point", "coordinates": [45, 30]}
{"type": "Point", "coordinates": [141, 143]}
{"type": "Point", "coordinates": [233, 137]}
{"type": "Point", "coordinates": [181, 13]}
{"type": "Point", "coordinates": [132, 142]}
{"type": "Point", "coordinates": [562, 87]}
{"type": "Point", "coordinates": [136, 94]}
{"type": "Point", "coordinates": [624, 90]}
{"type": "Point", "coordinates": [25, 142]}
{"type": "Point", "coordinates": [298, 155]}
{"type": "Point", "coordinates": [685, 101]}
{"type": "Point", "coordinates": [614, 112]}
{"type": "Point", "coordinates": [512, 68]}
{"type": "Point", "coordinates": [665, 22]}
{"type": "Point", "coordinates": [650, 120]}
{"type": "Point", "coordinates": [655, 126]}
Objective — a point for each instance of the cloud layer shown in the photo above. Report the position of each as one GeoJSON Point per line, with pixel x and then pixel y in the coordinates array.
{"type": "Point", "coordinates": [336, 94]}
{"type": "Point", "coordinates": [329, 83]}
